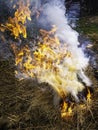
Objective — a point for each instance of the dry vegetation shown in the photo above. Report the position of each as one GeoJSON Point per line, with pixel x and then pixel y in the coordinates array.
{"type": "Point", "coordinates": [28, 105]}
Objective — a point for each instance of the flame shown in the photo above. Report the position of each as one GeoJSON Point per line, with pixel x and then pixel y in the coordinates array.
{"type": "Point", "coordinates": [17, 24]}
{"type": "Point", "coordinates": [88, 96]}
{"type": "Point", "coordinates": [66, 111]}
{"type": "Point", "coordinates": [44, 62]}
{"type": "Point", "coordinates": [48, 55]}
{"type": "Point", "coordinates": [47, 63]}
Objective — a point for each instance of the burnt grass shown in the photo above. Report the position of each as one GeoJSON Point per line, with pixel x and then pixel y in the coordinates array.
{"type": "Point", "coordinates": [28, 105]}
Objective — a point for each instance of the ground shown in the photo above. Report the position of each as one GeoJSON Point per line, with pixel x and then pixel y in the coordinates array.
{"type": "Point", "coordinates": [28, 105]}
{"type": "Point", "coordinates": [89, 26]}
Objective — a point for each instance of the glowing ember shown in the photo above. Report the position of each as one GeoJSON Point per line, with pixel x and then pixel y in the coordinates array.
{"type": "Point", "coordinates": [17, 24]}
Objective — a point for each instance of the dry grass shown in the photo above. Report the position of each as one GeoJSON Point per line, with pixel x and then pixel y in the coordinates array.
{"type": "Point", "coordinates": [28, 105]}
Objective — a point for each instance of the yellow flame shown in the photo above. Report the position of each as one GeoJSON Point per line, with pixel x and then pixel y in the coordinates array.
{"type": "Point", "coordinates": [44, 62]}
{"type": "Point", "coordinates": [17, 24]}
{"type": "Point", "coordinates": [47, 63]}
{"type": "Point", "coordinates": [66, 111]}
{"type": "Point", "coordinates": [88, 96]}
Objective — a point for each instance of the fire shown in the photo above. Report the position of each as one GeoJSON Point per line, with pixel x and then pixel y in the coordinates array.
{"type": "Point", "coordinates": [47, 63]}
{"type": "Point", "coordinates": [89, 96]}
{"type": "Point", "coordinates": [48, 55]}
{"type": "Point", "coordinates": [66, 111]}
{"type": "Point", "coordinates": [16, 25]}
{"type": "Point", "coordinates": [51, 62]}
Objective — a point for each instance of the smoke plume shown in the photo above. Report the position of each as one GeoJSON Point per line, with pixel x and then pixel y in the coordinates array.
{"type": "Point", "coordinates": [64, 73]}
{"type": "Point", "coordinates": [54, 13]}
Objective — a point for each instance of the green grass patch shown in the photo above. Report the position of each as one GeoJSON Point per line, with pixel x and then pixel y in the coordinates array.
{"type": "Point", "coordinates": [89, 27]}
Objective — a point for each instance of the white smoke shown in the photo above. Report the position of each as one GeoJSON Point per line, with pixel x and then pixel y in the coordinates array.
{"type": "Point", "coordinates": [53, 13]}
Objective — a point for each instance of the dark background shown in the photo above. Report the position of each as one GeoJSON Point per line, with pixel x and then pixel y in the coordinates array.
{"type": "Point", "coordinates": [88, 7]}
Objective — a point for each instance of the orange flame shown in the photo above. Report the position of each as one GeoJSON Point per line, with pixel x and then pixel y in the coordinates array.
{"type": "Point", "coordinates": [88, 96]}
{"type": "Point", "coordinates": [17, 24]}
{"type": "Point", "coordinates": [44, 63]}
{"type": "Point", "coordinates": [47, 63]}
{"type": "Point", "coordinates": [66, 111]}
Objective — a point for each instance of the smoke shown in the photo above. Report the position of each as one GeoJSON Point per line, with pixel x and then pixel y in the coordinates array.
{"type": "Point", "coordinates": [53, 12]}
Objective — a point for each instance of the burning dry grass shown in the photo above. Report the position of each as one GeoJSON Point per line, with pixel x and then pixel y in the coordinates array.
{"type": "Point", "coordinates": [16, 25]}
{"type": "Point", "coordinates": [28, 105]}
